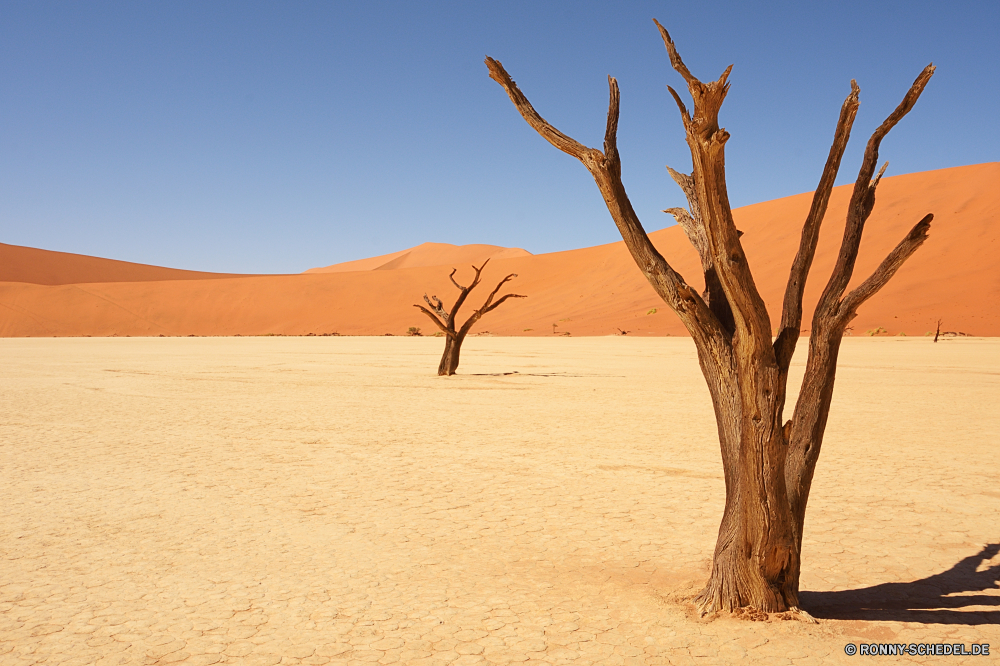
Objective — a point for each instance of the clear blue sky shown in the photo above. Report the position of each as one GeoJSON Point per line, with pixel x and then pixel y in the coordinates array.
{"type": "Point", "coordinates": [274, 137]}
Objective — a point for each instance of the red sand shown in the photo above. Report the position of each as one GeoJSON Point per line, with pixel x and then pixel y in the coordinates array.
{"type": "Point", "coordinates": [954, 277]}
{"type": "Point", "coordinates": [27, 264]}
{"type": "Point", "coordinates": [427, 254]}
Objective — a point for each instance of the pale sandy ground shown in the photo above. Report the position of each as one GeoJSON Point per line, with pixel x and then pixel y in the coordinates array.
{"type": "Point", "coordinates": [330, 500]}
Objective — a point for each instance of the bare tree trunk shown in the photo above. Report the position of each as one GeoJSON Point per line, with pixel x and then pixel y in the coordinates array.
{"type": "Point", "coordinates": [768, 465]}
{"type": "Point", "coordinates": [450, 357]}
{"type": "Point", "coordinates": [446, 320]}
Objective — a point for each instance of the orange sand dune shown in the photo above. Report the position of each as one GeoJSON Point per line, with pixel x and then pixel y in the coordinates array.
{"type": "Point", "coordinates": [593, 291]}
{"type": "Point", "coordinates": [427, 254]}
{"type": "Point", "coordinates": [28, 264]}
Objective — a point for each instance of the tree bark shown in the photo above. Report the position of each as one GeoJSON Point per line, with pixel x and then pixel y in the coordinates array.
{"type": "Point", "coordinates": [449, 359]}
{"type": "Point", "coordinates": [446, 320]}
{"type": "Point", "coordinates": [768, 466]}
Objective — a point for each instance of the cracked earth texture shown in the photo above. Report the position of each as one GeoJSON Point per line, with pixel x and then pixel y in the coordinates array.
{"type": "Point", "coordinates": [331, 501]}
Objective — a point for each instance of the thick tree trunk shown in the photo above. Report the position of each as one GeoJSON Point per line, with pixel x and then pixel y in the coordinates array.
{"type": "Point", "coordinates": [755, 554]}
{"type": "Point", "coordinates": [745, 574]}
{"type": "Point", "coordinates": [450, 357]}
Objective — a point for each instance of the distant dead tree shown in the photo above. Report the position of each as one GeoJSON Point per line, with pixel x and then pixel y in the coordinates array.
{"type": "Point", "coordinates": [446, 320]}
{"type": "Point", "coordinates": [768, 464]}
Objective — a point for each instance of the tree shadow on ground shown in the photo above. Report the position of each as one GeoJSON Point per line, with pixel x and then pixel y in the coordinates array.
{"type": "Point", "coordinates": [536, 374]}
{"type": "Point", "coordinates": [937, 599]}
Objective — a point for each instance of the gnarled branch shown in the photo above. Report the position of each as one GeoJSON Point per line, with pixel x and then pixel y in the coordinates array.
{"type": "Point", "coordinates": [694, 228]}
{"type": "Point", "coordinates": [611, 130]}
{"type": "Point", "coordinates": [465, 290]}
{"type": "Point", "coordinates": [502, 299]}
{"type": "Point", "coordinates": [695, 233]}
{"type": "Point", "coordinates": [892, 263]}
{"type": "Point", "coordinates": [791, 314]}
{"type": "Point", "coordinates": [434, 319]}
{"type": "Point", "coordinates": [724, 260]}
{"type": "Point", "coordinates": [606, 171]}
{"type": "Point", "coordinates": [489, 305]}
{"type": "Point", "coordinates": [863, 197]}
{"type": "Point", "coordinates": [686, 183]}
{"type": "Point", "coordinates": [437, 307]}
{"type": "Point", "coordinates": [549, 133]}
{"type": "Point", "coordinates": [707, 97]}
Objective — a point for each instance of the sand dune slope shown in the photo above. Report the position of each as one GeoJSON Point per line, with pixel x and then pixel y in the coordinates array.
{"type": "Point", "coordinates": [593, 291]}
{"type": "Point", "coordinates": [427, 254]}
{"type": "Point", "coordinates": [28, 264]}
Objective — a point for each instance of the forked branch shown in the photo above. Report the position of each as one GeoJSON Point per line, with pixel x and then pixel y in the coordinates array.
{"type": "Point", "coordinates": [708, 97]}
{"type": "Point", "coordinates": [686, 183]}
{"type": "Point", "coordinates": [714, 235]}
{"type": "Point", "coordinates": [695, 234]}
{"type": "Point", "coordinates": [549, 133]}
{"type": "Point", "coordinates": [446, 321]}
{"type": "Point", "coordinates": [489, 305]}
{"type": "Point", "coordinates": [690, 219]}
{"type": "Point", "coordinates": [434, 319]}
{"type": "Point", "coordinates": [465, 290]}
{"type": "Point", "coordinates": [606, 170]}
{"type": "Point", "coordinates": [437, 307]}
{"type": "Point", "coordinates": [892, 263]}
{"type": "Point", "coordinates": [791, 314]}
{"type": "Point", "coordinates": [863, 197]}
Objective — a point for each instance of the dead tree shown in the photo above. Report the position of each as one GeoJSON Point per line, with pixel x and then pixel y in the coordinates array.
{"type": "Point", "coordinates": [768, 464]}
{"type": "Point", "coordinates": [446, 320]}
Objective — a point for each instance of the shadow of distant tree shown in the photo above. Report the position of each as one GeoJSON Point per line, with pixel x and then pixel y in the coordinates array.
{"type": "Point", "coordinates": [937, 599]}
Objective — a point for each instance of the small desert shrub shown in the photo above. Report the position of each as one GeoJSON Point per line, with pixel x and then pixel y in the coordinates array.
{"type": "Point", "coordinates": [653, 311]}
{"type": "Point", "coordinates": [413, 330]}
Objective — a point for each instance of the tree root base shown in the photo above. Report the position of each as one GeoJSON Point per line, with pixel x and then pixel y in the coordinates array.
{"type": "Point", "coordinates": [751, 614]}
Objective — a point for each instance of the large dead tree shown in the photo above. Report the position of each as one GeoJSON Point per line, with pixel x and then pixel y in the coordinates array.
{"type": "Point", "coordinates": [768, 463]}
{"type": "Point", "coordinates": [446, 320]}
